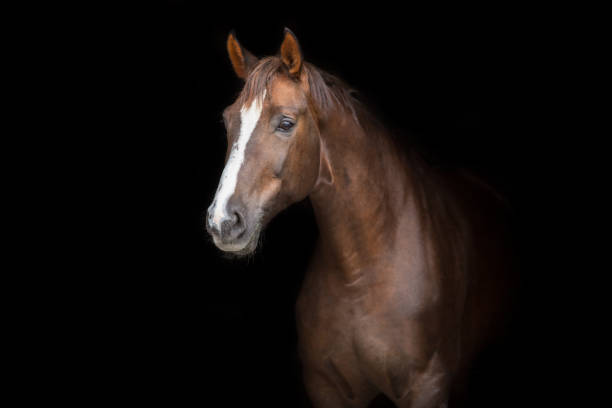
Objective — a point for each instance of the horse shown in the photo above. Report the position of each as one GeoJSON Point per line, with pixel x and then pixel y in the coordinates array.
{"type": "Point", "coordinates": [405, 284]}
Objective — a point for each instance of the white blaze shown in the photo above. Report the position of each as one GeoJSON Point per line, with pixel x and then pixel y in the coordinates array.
{"type": "Point", "coordinates": [249, 116]}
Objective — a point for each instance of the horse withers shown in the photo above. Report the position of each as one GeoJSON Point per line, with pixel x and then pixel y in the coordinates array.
{"type": "Point", "coordinates": [405, 282]}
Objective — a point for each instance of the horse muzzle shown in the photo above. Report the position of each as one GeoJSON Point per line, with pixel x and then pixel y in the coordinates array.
{"type": "Point", "coordinates": [229, 229]}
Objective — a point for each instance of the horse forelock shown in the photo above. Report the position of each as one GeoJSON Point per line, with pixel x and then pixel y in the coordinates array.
{"type": "Point", "coordinates": [327, 92]}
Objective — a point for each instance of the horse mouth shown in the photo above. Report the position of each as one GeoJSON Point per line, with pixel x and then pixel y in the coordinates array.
{"type": "Point", "coordinates": [244, 244]}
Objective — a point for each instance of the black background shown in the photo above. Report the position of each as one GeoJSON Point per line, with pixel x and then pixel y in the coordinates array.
{"type": "Point", "coordinates": [163, 316]}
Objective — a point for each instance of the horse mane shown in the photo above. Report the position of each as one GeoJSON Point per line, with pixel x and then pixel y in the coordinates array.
{"type": "Point", "coordinates": [329, 94]}
{"type": "Point", "coordinates": [327, 91]}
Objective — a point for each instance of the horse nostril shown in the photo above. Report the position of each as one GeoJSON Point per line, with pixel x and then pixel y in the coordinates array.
{"type": "Point", "coordinates": [238, 226]}
{"type": "Point", "coordinates": [238, 220]}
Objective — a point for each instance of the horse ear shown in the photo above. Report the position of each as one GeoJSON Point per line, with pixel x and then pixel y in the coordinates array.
{"type": "Point", "coordinates": [242, 60]}
{"type": "Point", "coordinates": [291, 55]}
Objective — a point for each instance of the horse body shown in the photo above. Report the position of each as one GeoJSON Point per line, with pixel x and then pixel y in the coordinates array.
{"type": "Point", "coordinates": [405, 280]}
{"type": "Point", "coordinates": [376, 312]}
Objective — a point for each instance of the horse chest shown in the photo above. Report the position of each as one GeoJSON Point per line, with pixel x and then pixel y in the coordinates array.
{"type": "Point", "coordinates": [333, 320]}
{"type": "Point", "coordinates": [356, 337]}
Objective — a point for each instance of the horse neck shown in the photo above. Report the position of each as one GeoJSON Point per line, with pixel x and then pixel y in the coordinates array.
{"type": "Point", "coordinates": [358, 206]}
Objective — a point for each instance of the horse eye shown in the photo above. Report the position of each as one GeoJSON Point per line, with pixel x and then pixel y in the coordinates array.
{"type": "Point", "coordinates": [285, 125]}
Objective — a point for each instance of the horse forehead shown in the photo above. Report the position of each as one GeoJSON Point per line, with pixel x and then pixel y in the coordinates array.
{"type": "Point", "coordinates": [286, 92]}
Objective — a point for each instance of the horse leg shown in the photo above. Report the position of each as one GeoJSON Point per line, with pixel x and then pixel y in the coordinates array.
{"type": "Point", "coordinates": [324, 393]}
{"type": "Point", "coordinates": [429, 390]}
{"type": "Point", "coordinates": [424, 400]}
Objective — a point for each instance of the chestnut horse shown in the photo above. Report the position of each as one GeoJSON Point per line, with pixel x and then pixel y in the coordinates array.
{"type": "Point", "coordinates": [405, 281]}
